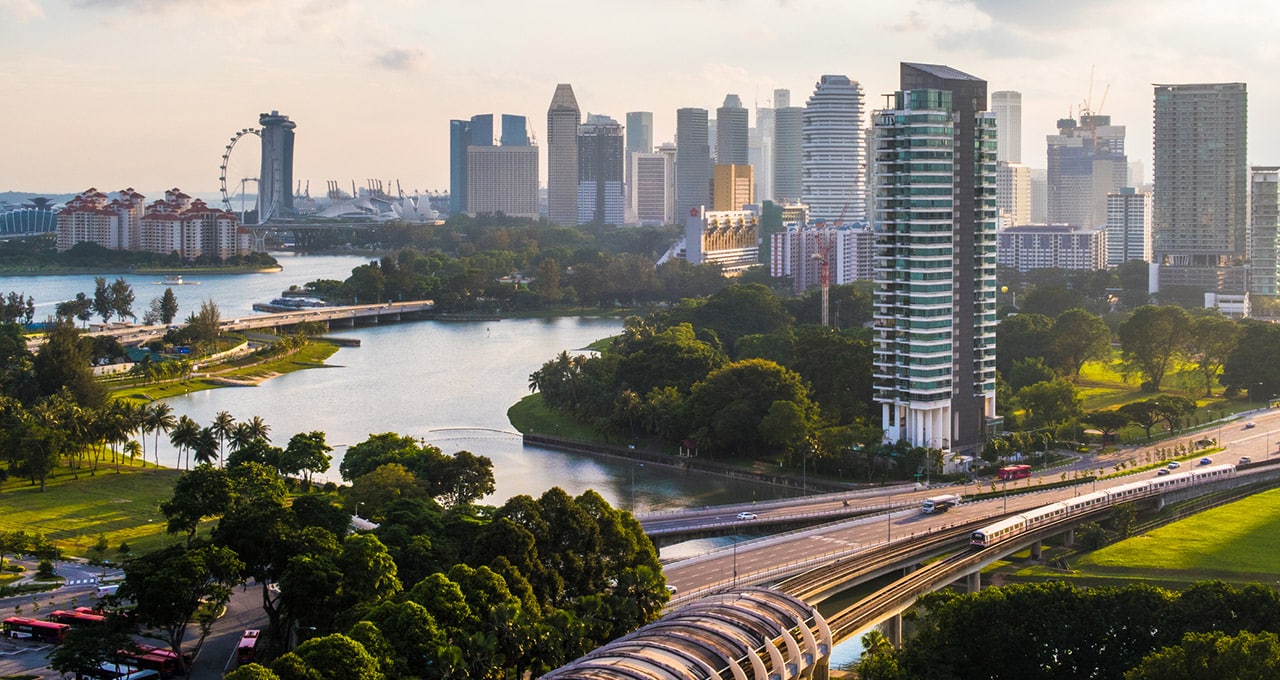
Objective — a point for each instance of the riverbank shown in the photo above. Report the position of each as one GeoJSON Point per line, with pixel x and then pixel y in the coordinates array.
{"type": "Point", "coordinates": [243, 374]}
{"type": "Point", "coordinates": [59, 270]}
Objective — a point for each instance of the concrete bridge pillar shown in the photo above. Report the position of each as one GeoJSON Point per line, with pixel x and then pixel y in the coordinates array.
{"type": "Point", "coordinates": [1036, 549]}
{"type": "Point", "coordinates": [974, 581]}
{"type": "Point", "coordinates": [893, 630]}
{"type": "Point", "coordinates": [1069, 538]}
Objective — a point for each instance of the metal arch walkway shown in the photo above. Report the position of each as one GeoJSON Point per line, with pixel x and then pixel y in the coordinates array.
{"type": "Point", "coordinates": [744, 634]}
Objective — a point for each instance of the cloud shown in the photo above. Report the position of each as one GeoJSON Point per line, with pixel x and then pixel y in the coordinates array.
{"type": "Point", "coordinates": [164, 6]}
{"type": "Point", "coordinates": [913, 23]}
{"type": "Point", "coordinates": [401, 59]}
{"type": "Point", "coordinates": [23, 10]}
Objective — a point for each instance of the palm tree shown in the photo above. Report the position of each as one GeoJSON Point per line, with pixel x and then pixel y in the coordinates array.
{"type": "Point", "coordinates": [223, 425]}
{"type": "Point", "coordinates": [259, 429]}
{"type": "Point", "coordinates": [241, 436]}
{"type": "Point", "coordinates": [159, 418]}
{"type": "Point", "coordinates": [205, 447]}
{"type": "Point", "coordinates": [185, 435]}
{"type": "Point", "coordinates": [134, 449]}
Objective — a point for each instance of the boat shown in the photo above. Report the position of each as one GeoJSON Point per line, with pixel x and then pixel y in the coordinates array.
{"type": "Point", "coordinates": [176, 280]}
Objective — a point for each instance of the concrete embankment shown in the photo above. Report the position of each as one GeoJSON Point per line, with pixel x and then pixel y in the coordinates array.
{"type": "Point", "coordinates": [693, 464]}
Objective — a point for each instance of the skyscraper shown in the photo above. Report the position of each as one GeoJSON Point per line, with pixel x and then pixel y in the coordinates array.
{"type": "Point", "coordinates": [833, 165]}
{"type": "Point", "coordinates": [693, 161]}
{"type": "Point", "coordinates": [563, 117]}
{"type": "Point", "coordinates": [1014, 194]}
{"type": "Point", "coordinates": [1201, 185]}
{"type": "Point", "coordinates": [1007, 106]}
{"type": "Point", "coordinates": [788, 143]}
{"type": "Point", "coordinates": [1086, 163]}
{"type": "Point", "coordinates": [935, 298]}
{"type": "Point", "coordinates": [1128, 226]}
{"type": "Point", "coordinates": [649, 188]}
{"type": "Point", "coordinates": [600, 170]}
{"type": "Point", "coordinates": [732, 187]}
{"type": "Point", "coordinates": [459, 140]}
{"type": "Point", "coordinates": [639, 132]}
{"type": "Point", "coordinates": [502, 179]}
{"type": "Point", "coordinates": [515, 130]}
{"type": "Point", "coordinates": [764, 137]}
{"type": "Point", "coordinates": [275, 180]}
{"type": "Point", "coordinates": [1264, 228]}
{"type": "Point", "coordinates": [731, 132]}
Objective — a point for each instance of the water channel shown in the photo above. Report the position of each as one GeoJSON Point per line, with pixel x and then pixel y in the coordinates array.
{"type": "Point", "coordinates": [447, 383]}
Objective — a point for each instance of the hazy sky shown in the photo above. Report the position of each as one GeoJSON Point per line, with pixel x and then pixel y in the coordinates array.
{"type": "Point", "coordinates": [146, 93]}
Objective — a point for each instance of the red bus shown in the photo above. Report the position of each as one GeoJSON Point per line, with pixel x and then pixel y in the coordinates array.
{"type": "Point", "coordinates": [247, 650]}
{"type": "Point", "coordinates": [77, 617]}
{"type": "Point", "coordinates": [1014, 472]}
{"type": "Point", "coordinates": [148, 657]}
{"type": "Point", "coordinates": [35, 629]}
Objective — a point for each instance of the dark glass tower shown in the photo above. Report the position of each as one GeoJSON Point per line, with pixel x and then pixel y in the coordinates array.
{"type": "Point", "coordinates": [275, 181]}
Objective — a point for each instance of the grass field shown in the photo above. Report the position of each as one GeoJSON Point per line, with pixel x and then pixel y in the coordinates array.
{"type": "Point", "coordinates": [74, 512]}
{"type": "Point", "coordinates": [1236, 542]}
{"type": "Point", "coordinates": [246, 370]}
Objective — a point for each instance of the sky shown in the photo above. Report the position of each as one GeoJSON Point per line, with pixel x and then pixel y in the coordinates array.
{"type": "Point", "coordinates": [147, 93]}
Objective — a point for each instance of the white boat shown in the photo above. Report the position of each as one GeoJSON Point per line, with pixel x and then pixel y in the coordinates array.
{"type": "Point", "coordinates": [176, 280]}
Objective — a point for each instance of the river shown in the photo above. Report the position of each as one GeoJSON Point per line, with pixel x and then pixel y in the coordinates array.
{"type": "Point", "coordinates": [447, 383]}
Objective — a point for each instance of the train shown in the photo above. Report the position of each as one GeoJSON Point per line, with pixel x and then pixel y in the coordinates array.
{"type": "Point", "coordinates": [1032, 519]}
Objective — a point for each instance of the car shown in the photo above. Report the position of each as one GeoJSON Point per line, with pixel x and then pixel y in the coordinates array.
{"type": "Point", "coordinates": [1245, 459]}
{"type": "Point", "coordinates": [672, 589]}
{"type": "Point", "coordinates": [746, 515]}
{"type": "Point", "coordinates": [1162, 471]}
{"type": "Point", "coordinates": [1206, 461]}
{"type": "Point", "coordinates": [1250, 425]}
{"type": "Point", "coordinates": [1174, 465]}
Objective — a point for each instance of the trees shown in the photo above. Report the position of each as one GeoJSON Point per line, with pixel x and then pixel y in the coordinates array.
{"type": "Point", "coordinates": [222, 426]}
{"type": "Point", "coordinates": [1078, 336]}
{"type": "Point", "coordinates": [63, 363]}
{"type": "Point", "coordinates": [306, 452]}
{"type": "Point", "coordinates": [199, 493]}
{"type": "Point", "coordinates": [1213, 338]}
{"type": "Point", "coordinates": [122, 298]}
{"type": "Point", "coordinates": [1144, 414]}
{"type": "Point", "coordinates": [1050, 403]}
{"type": "Point", "coordinates": [168, 307]}
{"type": "Point", "coordinates": [1213, 655]}
{"type": "Point", "coordinates": [158, 417]}
{"type": "Point", "coordinates": [205, 325]}
{"type": "Point", "coordinates": [1022, 336]}
{"type": "Point", "coordinates": [1107, 422]}
{"type": "Point", "coordinates": [731, 405]}
{"type": "Point", "coordinates": [1151, 339]}
{"type": "Point", "coordinates": [80, 307]}
{"type": "Point", "coordinates": [103, 305]}
{"type": "Point", "coordinates": [185, 435]}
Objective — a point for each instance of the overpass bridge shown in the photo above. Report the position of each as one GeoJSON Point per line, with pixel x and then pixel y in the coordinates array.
{"type": "Point", "coordinates": [759, 651]}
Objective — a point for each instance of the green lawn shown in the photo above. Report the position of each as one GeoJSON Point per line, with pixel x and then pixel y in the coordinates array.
{"type": "Point", "coordinates": [245, 369]}
{"type": "Point", "coordinates": [1238, 542]}
{"type": "Point", "coordinates": [73, 512]}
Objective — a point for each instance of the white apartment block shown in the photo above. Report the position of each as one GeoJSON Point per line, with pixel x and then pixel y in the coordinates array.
{"type": "Point", "coordinates": [1053, 246]}
{"type": "Point", "coordinates": [834, 152]}
{"type": "Point", "coordinates": [798, 252]}
{"type": "Point", "coordinates": [176, 224]}
{"type": "Point", "coordinates": [1128, 226]}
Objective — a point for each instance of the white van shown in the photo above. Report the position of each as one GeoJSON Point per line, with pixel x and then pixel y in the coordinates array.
{"type": "Point", "coordinates": [108, 589]}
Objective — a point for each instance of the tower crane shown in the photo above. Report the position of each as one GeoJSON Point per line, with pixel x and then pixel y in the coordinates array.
{"type": "Point", "coordinates": [825, 243]}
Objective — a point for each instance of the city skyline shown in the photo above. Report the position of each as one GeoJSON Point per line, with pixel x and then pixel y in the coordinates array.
{"type": "Point", "coordinates": [372, 87]}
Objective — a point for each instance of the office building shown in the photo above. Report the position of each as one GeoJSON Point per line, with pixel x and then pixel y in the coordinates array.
{"type": "Point", "coordinates": [1014, 195]}
{"type": "Point", "coordinates": [1007, 105]}
{"type": "Point", "coordinates": [1128, 226]}
{"type": "Point", "coordinates": [935, 271]}
{"type": "Point", "coordinates": [732, 187]}
{"type": "Point", "coordinates": [1039, 196]}
{"type": "Point", "coordinates": [668, 151]}
{"type": "Point", "coordinates": [502, 179]}
{"type": "Point", "coordinates": [1052, 246]}
{"type": "Point", "coordinates": [600, 170]}
{"type": "Point", "coordinates": [275, 179]}
{"type": "Point", "coordinates": [563, 117]}
{"type": "Point", "coordinates": [649, 180]}
{"type": "Point", "coordinates": [1264, 199]}
{"type": "Point", "coordinates": [833, 164]}
{"type": "Point", "coordinates": [1086, 162]}
{"type": "Point", "coordinates": [1201, 185]}
{"type": "Point", "coordinates": [764, 142]}
{"type": "Point", "coordinates": [731, 132]}
{"type": "Point", "coordinates": [693, 162]}
{"type": "Point", "coordinates": [515, 130]}
{"type": "Point", "coordinates": [477, 132]}
{"type": "Point", "coordinates": [788, 154]}
{"type": "Point", "coordinates": [639, 131]}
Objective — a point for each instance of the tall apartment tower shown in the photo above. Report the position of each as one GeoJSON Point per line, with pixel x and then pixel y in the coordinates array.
{"type": "Point", "coordinates": [563, 117]}
{"type": "Point", "coordinates": [731, 132]}
{"type": "Point", "coordinates": [935, 269]}
{"type": "Point", "coordinates": [600, 171]}
{"type": "Point", "coordinates": [1007, 106]}
{"type": "Point", "coordinates": [693, 162]}
{"type": "Point", "coordinates": [1086, 163]}
{"type": "Point", "coordinates": [275, 179]}
{"type": "Point", "coordinates": [788, 154]}
{"type": "Point", "coordinates": [1264, 228]}
{"type": "Point", "coordinates": [1128, 226]}
{"type": "Point", "coordinates": [1201, 185]}
{"type": "Point", "coordinates": [833, 165]}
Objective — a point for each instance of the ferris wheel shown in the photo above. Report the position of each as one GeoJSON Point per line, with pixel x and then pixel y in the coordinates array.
{"type": "Point", "coordinates": [240, 169]}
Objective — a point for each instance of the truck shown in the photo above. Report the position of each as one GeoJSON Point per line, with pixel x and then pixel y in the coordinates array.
{"type": "Point", "coordinates": [939, 503]}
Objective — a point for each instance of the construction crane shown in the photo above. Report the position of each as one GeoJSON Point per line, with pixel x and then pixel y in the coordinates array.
{"type": "Point", "coordinates": [825, 243]}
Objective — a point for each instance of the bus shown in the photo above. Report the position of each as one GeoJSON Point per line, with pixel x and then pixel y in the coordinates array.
{"type": "Point", "coordinates": [77, 617]}
{"type": "Point", "coordinates": [1014, 472]}
{"type": "Point", "coordinates": [151, 658]}
{"type": "Point", "coordinates": [35, 629]}
{"type": "Point", "coordinates": [247, 650]}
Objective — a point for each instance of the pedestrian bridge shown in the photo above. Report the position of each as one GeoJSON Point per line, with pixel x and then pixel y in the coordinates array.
{"type": "Point", "coordinates": [745, 634]}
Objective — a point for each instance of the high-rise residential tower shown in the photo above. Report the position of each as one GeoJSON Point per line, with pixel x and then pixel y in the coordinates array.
{"type": "Point", "coordinates": [731, 132]}
{"type": "Point", "coordinates": [1128, 226]}
{"type": "Point", "coordinates": [1007, 106]}
{"type": "Point", "coordinates": [833, 148]}
{"type": "Point", "coordinates": [935, 271]}
{"type": "Point", "coordinates": [1201, 177]}
{"type": "Point", "coordinates": [1264, 229]}
{"type": "Point", "coordinates": [693, 162]}
{"type": "Point", "coordinates": [788, 154]}
{"type": "Point", "coordinates": [275, 180]}
{"type": "Point", "coordinates": [1086, 163]}
{"type": "Point", "coordinates": [600, 171]}
{"type": "Point", "coordinates": [563, 117]}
